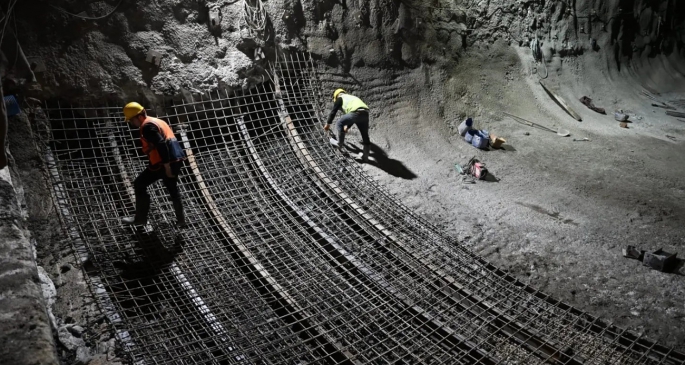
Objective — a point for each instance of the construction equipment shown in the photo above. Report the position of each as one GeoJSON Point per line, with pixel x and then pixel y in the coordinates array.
{"type": "Point", "coordinates": [562, 103]}
{"type": "Point", "coordinates": [473, 168]}
{"type": "Point", "coordinates": [675, 114]}
{"type": "Point", "coordinates": [560, 132]}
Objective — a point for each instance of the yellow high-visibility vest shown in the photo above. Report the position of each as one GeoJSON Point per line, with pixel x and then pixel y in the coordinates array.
{"type": "Point", "coordinates": [352, 103]}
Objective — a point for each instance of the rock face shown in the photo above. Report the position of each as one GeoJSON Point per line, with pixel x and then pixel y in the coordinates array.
{"type": "Point", "coordinates": [25, 334]}
{"type": "Point", "coordinates": [112, 56]}
{"type": "Point", "coordinates": [197, 44]}
{"type": "Point", "coordinates": [59, 278]}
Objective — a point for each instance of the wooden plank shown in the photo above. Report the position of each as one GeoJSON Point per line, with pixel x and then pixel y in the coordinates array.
{"type": "Point", "coordinates": [562, 102]}
{"type": "Point", "coordinates": [675, 114]}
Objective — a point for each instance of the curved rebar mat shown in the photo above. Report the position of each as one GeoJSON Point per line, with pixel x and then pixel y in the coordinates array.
{"type": "Point", "coordinates": [293, 255]}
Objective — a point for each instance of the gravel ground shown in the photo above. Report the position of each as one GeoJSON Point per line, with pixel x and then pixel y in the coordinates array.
{"type": "Point", "coordinates": [555, 212]}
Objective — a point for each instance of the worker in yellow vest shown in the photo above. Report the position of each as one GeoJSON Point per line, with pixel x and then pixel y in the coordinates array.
{"type": "Point", "coordinates": [166, 160]}
{"type": "Point", "coordinates": [356, 113]}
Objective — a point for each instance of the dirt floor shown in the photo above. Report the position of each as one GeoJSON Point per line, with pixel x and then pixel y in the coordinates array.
{"type": "Point", "coordinates": [555, 212]}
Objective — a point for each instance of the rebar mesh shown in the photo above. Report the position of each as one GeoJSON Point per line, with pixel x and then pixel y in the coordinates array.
{"type": "Point", "coordinates": [293, 255]}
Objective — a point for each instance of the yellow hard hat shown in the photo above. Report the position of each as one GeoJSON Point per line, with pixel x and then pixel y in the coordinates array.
{"type": "Point", "coordinates": [338, 92]}
{"type": "Point", "coordinates": [132, 109]}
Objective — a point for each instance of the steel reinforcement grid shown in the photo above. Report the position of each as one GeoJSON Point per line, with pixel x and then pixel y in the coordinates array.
{"type": "Point", "coordinates": [292, 255]}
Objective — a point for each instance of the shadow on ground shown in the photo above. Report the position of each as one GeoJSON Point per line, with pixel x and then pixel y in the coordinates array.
{"type": "Point", "coordinates": [490, 177]}
{"type": "Point", "coordinates": [678, 268]}
{"type": "Point", "coordinates": [380, 159]}
{"type": "Point", "coordinates": [152, 255]}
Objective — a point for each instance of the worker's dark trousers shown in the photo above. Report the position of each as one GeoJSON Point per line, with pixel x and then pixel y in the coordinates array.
{"type": "Point", "coordinates": [361, 119]}
{"type": "Point", "coordinates": [149, 177]}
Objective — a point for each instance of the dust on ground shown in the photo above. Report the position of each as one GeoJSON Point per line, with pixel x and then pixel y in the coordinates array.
{"type": "Point", "coordinates": [555, 212]}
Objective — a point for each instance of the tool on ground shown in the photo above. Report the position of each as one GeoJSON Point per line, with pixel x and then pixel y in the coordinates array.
{"type": "Point", "coordinates": [588, 103]}
{"type": "Point", "coordinates": [560, 132]}
{"type": "Point", "coordinates": [675, 114]}
{"type": "Point", "coordinates": [473, 168]}
{"type": "Point", "coordinates": [562, 103]}
{"type": "Point", "coordinates": [649, 95]}
{"type": "Point", "coordinates": [581, 139]}
{"type": "Point", "coordinates": [663, 106]}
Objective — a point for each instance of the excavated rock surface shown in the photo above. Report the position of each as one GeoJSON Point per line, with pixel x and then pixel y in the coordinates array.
{"type": "Point", "coordinates": [25, 331]}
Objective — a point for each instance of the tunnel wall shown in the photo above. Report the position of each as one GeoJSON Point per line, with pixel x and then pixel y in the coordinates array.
{"type": "Point", "coordinates": [640, 39]}
{"type": "Point", "coordinates": [25, 329]}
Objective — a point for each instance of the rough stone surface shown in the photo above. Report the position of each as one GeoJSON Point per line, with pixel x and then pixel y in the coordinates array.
{"type": "Point", "coordinates": [108, 57]}
{"type": "Point", "coordinates": [68, 340]}
{"type": "Point", "coordinates": [49, 291]}
{"type": "Point", "coordinates": [70, 304]}
{"type": "Point", "coordinates": [25, 335]}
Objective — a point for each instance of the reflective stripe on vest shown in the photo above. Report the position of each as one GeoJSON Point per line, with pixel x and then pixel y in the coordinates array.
{"type": "Point", "coordinates": [164, 130]}
{"type": "Point", "coordinates": [352, 103]}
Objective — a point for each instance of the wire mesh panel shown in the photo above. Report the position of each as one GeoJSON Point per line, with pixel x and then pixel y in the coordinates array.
{"type": "Point", "coordinates": [292, 255]}
{"type": "Point", "coordinates": [501, 312]}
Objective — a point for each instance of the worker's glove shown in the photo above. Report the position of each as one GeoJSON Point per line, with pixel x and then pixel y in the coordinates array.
{"type": "Point", "coordinates": [326, 127]}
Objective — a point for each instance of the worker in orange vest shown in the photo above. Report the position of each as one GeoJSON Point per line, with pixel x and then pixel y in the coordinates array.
{"type": "Point", "coordinates": [166, 160]}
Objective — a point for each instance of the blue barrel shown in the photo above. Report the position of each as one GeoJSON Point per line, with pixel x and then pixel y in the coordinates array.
{"type": "Point", "coordinates": [465, 126]}
{"type": "Point", "coordinates": [469, 135]}
{"type": "Point", "coordinates": [481, 140]}
{"type": "Point", "coordinates": [12, 105]}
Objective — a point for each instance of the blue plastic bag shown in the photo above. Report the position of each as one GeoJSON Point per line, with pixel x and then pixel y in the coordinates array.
{"type": "Point", "coordinates": [12, 106]}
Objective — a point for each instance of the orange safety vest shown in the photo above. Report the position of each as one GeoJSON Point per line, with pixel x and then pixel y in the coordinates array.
{"type": "Point", "coordinates": [166, 132]}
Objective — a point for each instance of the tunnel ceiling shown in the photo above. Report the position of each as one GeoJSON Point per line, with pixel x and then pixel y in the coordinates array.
{"type": "Point", "coordinates": [202, 45]}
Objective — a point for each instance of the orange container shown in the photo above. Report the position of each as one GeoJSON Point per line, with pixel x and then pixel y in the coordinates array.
{"type": "Point", "coordinates": [496, 142]}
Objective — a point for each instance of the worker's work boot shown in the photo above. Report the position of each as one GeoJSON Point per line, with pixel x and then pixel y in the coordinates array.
{"type": "Point", "coordinates": [142, 210]}
{"type": "Point", "coordinates": [364, 155]}
{"type": "Point", "coordinates": [180, 215]}
{"type": "Point", "coordinates": [341, 144]}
